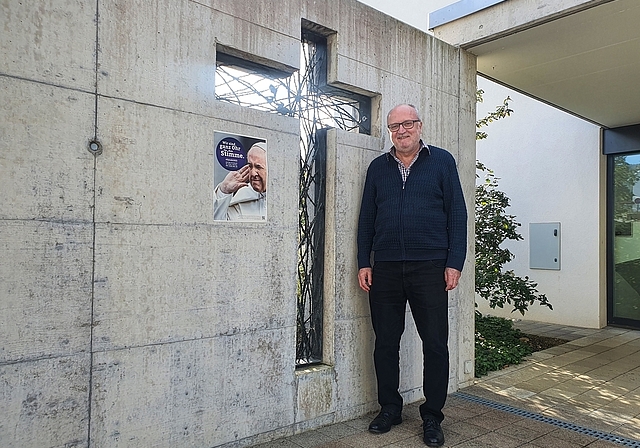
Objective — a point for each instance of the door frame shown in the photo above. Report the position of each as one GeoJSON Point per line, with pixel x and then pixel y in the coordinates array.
{"type": "Point", "coordinates": [616, 142]}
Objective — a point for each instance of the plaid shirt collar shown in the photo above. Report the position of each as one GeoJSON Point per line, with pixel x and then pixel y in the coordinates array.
{"type": "Point", "coordinates": [404, 171]}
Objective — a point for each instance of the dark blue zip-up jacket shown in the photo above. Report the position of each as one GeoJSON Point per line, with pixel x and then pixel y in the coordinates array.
{"type": "Point", "coordinates": [426, 219]}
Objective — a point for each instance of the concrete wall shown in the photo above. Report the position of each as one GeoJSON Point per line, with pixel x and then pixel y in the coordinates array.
{"type": "Point", "coordinates": [131, 318]}
{"type": "Point", "coordinates": [550, 165]}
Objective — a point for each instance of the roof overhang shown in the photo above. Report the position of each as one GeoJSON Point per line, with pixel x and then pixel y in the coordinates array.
{"type": "Point", "coordinates": [582, 56]}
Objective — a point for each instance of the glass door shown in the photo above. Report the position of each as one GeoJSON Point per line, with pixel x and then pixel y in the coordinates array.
{"type": "Point", "coordinates": [624, 296]}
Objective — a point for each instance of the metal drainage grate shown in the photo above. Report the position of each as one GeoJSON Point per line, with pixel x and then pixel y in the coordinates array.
{"type": "Point", "coordinates": [552, 421]}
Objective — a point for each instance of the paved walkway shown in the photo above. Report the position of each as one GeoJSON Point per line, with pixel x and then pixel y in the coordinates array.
{"type": "Point", "coordinates": [582, 393]}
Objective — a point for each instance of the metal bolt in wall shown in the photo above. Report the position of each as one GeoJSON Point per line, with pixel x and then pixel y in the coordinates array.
{"type": "Point", "coordinates": [95, 147]}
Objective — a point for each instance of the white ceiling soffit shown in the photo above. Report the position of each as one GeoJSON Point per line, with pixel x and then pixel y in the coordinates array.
{"type": "Point", "coordinates": [586, 62]}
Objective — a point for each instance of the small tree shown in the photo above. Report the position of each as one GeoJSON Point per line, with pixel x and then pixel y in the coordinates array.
{"type": "Point", "coordinates": [493, 227]}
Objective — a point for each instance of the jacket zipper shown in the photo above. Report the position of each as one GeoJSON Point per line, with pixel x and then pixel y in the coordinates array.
{"type": "Point", "coordinates": [402, 248]}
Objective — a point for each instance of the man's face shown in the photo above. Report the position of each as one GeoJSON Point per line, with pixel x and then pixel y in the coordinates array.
{"type": "Point", "coordinates": [405, 140]}
{"type": "Point", "coordinates": [257, 161]}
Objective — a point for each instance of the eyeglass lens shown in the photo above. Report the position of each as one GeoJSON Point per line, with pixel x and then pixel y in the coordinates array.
{"type": "Point", "coordinates": [405, 124]}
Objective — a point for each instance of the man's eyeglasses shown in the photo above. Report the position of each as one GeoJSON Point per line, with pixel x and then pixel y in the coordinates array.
{"type": "Point", "coordinates": [393, 127]}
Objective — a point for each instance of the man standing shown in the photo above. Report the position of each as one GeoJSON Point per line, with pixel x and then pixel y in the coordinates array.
{"type": "Point", "coordinates": [242, 195]}
{"type": "Point", "coordinates": [414, 220]}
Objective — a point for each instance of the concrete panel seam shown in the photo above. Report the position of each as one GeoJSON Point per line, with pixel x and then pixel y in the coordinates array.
{"type": "Point", "coordinates": [44, 83]}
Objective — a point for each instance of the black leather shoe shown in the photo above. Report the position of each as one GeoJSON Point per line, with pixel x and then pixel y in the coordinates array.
{"type": "Point", "coordinates": [383, 422]}
{"type": "Point", "coordinates": [433, 435]}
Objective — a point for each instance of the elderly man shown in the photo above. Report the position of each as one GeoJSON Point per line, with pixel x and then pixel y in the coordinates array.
{"type": "Point", "coordinates": [413, 219]}
{"type": "Point", "coordinates": [242, 195]}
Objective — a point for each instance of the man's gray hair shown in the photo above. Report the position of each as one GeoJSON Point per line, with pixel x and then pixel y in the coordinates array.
{"type": "Point", "coordinates": [404, 104]}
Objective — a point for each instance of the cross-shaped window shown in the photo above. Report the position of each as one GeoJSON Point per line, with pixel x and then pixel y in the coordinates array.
{"type": "Point", "coordinates": [318, 105]}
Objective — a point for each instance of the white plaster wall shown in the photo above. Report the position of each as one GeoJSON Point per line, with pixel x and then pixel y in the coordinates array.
{"type": "Point", "coordinates": [549, 164]}
{"type": "Point", "coordinates": [131, 318]}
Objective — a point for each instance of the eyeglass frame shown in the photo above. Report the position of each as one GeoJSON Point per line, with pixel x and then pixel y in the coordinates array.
{"type": "Point", "coordinates": [396, 129]}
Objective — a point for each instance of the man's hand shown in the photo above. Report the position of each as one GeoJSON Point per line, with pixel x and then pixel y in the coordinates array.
{"type": "Point", "coordinates": [235, 180]}
{"type": "Point", "coordinates": [364, 278]}
{"type": "Point", "coordinates": [451, 277]}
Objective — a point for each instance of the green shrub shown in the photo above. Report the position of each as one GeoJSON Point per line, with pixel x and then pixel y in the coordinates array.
{"type": "Point", "coordinates": [498, 344]}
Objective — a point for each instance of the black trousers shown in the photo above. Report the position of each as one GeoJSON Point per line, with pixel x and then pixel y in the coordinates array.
{"type": "Point", "coordinates": [421, 283]}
